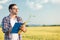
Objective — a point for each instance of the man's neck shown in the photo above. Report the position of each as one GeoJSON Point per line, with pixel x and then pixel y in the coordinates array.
{"type": "Point", "coordinates": [13, 16]}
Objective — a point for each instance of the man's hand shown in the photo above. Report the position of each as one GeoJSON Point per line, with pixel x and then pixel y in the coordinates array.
{"type": "Point", "coordinates": [23, 27]}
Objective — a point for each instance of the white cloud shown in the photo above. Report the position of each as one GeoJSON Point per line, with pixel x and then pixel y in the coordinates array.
{"type": "Point", "coordinates": [52, 1]}
{"type": "Point", "coordinates": [34, 5]}
{"type": "Point", "coordinates": [3, 2]}
{"type": "Point", "coordinates": [55, 1]}
{"type": "Point", "coordinates": [46, 1]}
{"type": "Point", "coordinates": [38, 4]}
{"type": "Point", "coordinates": [1, 7]}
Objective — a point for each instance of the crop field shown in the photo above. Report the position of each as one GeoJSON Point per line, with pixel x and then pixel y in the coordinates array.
{"type": "Point", "coordinates": [39, 33]}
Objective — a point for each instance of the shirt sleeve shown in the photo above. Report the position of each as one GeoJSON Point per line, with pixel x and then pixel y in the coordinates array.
{"type": "Point", "coordinates": [20, 20]}
{"type": "Point", "coordinates": [5, 27]}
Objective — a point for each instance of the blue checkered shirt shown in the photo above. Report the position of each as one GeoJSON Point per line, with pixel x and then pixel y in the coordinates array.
{"type": "Point", "coordinates": [6, 27]}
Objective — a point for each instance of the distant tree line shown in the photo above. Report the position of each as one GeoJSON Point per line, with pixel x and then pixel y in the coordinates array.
{"type": "Point", "coordinates": [40, 25]}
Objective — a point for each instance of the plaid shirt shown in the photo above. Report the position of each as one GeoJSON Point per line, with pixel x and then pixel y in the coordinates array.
{"type": "Point", "coordinates": [6, 27]}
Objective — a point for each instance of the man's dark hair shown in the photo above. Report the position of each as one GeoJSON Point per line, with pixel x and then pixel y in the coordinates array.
{"type": "Point", "coordinates": [11, 5]}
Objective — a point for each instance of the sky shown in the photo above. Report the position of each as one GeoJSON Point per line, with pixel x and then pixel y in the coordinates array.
{"type": "Point", "coordinates": [39, 12]}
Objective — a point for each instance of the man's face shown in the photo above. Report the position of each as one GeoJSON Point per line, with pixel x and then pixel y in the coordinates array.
{"type": "Point", "coordinates": [14, 10]}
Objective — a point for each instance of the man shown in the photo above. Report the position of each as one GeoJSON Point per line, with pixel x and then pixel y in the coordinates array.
{"type": "Point", "coordinates": [8, 23]}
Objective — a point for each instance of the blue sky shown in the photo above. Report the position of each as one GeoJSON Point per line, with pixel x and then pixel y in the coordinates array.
{"type": "Point", "coordinates": [35, 11]}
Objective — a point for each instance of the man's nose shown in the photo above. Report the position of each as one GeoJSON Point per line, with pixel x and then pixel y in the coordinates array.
{"type": "Point", "coordinates": [17, 10]}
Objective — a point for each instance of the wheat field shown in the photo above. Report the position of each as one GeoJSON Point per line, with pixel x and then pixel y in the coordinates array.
{"type": "Point", "coordinates": [39, 33]}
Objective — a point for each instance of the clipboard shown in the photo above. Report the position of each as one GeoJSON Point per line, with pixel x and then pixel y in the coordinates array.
{"type": "Point", "coordinates": [16, 27]}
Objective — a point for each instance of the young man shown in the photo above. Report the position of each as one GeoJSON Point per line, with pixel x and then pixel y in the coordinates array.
{"type": "Point", "coordinates": [8, 23]}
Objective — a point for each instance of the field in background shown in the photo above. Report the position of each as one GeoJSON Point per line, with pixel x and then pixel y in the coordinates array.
{"type": "Point", "coordinates": [39, 33]}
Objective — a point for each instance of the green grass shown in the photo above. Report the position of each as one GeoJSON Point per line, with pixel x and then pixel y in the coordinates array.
{"type": "Point", "coordinates": [39, 33]}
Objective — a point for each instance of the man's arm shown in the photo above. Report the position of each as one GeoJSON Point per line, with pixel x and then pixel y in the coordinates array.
{"type": "Point", "coordinates": [5, 27]}
{"type": "Point", "coordinates": [23, 26]}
